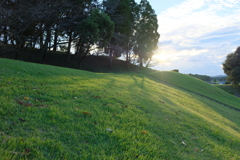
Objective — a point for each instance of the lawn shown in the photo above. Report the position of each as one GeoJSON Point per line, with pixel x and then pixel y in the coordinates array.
{"type": "Point", "coordinates": [197, 86]}
{"type": "Point", "coordinates": [49, 112]}
{"type": "Point", "coordinates": [229, 89]}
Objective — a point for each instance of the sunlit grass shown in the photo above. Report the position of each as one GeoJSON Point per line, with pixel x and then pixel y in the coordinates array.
{"type": "Point", "coordinates": [149, 119]}
{"type": "Point", "coordinates": [197, 86]}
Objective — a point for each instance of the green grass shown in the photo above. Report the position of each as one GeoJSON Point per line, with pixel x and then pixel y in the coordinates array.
{"type": "Point", "coordinates": [229, 89]}
{"type": "Point", "coordinates": [50, 124]}
{"type": "Point", "coordinates": [197, 86]}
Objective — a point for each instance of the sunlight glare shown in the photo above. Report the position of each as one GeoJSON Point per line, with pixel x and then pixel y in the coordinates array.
{"type": "Point", "coordinates": [162, 57]}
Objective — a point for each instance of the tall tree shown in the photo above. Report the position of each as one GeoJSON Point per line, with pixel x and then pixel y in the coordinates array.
{"type": "Point", "coordinates": [97, 28]}
{"type": "Point", "coordinates": [130, 41]}
{"type": "Point", "coordinates": [146, 35]}
{"type": "Point", "coordinates": [231, 67]}
{"type": "Point", "coordinates": [120, 13]}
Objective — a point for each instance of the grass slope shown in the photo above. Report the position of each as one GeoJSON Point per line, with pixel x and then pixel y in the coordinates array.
{"type": "Point", "coordinates": [197, 86]}
{"type": "Point", "coordinates": [229, 89]}
{"type": "Point", "coordinates": [44, 115]}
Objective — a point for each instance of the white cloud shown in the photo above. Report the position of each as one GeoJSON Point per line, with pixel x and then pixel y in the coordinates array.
{"type": "Point", "coordinates": [202, 27]}
{"type": "Point", "coordinates": [183, 9]}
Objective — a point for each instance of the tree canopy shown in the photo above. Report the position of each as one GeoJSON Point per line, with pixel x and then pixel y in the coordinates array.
{"type": "Point", "coordinates": [119, 28]}
{"type": "Point", "coordinates": [146, 35]}
{"type": "Point", "coordinates": [231, 67]}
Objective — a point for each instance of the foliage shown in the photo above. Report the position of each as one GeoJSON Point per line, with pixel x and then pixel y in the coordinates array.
{"type": "Point", "coordinates": [71, 114]}
{"type": "Point", "coordinates": [80, 26]}
{"type": "Point", "coordinates": [231, 67]}
{"type": "Point", "coordinates": [176, 70]}
{"type": "Point", "coordinates": [146, 34]}
{"type": "Point", "coordinates": [48, 24]}
{"type": "Point", "coordinates": [202, 77]}
{"type": "Point", "coordinates": [120, 14]}
{"type": "Point", "coordinates": [97, 28]}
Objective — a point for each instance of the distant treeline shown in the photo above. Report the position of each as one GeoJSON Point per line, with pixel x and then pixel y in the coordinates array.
{"type": "Point", "coordinates": [214, 80]}
{"type": "Point", "coordinates": [202, 77]}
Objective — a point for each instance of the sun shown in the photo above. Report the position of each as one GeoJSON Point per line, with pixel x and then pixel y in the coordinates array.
{"type": "Point", "coordinates": [161, 57]}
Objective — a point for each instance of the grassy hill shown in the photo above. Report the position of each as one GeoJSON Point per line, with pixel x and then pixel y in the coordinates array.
{"type": "Point", "coordinates": [229, 89]}
{"type": "Point", "coordinates": [49, 112]}
{"type": "Point", "coordinates": [198, 87]}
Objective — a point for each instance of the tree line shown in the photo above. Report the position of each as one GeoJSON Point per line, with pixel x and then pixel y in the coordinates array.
{"type": "Point", "coordinates": [202, 77]}
{"type": "Point", "coordinates": [115, 27]}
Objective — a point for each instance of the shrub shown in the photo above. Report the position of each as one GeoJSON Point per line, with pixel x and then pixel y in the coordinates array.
{"type": "Point", "coordinates": [176, 70]}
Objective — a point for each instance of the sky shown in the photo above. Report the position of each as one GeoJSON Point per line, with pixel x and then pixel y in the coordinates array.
{"type": "Point", "coordinates": [196, 35]}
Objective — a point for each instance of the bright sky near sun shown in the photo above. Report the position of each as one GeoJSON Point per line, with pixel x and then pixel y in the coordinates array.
{"type": "Point", "coordinates": [196, 35]}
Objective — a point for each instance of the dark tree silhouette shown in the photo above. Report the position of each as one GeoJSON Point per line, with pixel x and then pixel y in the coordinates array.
{"type": "Point", "coordinates": [231, 67]}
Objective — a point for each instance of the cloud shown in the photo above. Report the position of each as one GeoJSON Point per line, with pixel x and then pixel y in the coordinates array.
{"type": "Point", "coordinates": [229, 34]}
{"type": "Point", "coordinates": [192, 21]}
{"type": "Point", "coordinates": [202, 31]}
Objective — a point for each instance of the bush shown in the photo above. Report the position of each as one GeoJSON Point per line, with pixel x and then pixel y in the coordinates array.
{"type": "Point", "coordinates": [176, 70]}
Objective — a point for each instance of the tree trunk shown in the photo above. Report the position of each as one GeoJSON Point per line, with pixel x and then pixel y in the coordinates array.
{"type": "Point", "coordinates": [12, 42]}
{"type": "Point", "coordinates": [80, 49]}
{"type": "Point", "coordinates": [33, 43]}
{"type": "Point", "coordinates": [148, 63]}
{"type": "Point", "coordinates": [30, 42]}
{"type": "Point", "coordinates": [41, 41]}
{"type": "Point", "coordinates": [49, 45]}
{"type": "Point", "coordinates": [69, 46]}
{"type": "Point", "coordinates": [45, 46]}
{"type": "Point", "coordinates": [140, 61]}
{"type": "Point", "coordinates": [5, 35]}
{"type": "Point", "coordinates": [84, 56]}
{"type": "Point", "coordinates": [55, 39]}
{"type": "Point", "coordinates": [19, 45]}
{"type": "Point", "coordinates": [22, 44]}
{"type": "Point", "coordinates": [110, 57]}
{"type": "Point", "coordinates": [80, 44]}
{"type": "Point", "coordinates": [127, 56]}
{"type": "Point", "coordinates": [41, 37]}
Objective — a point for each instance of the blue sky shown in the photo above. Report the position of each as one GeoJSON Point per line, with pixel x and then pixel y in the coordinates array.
{"type": "Point", "coordinates": [196, 35]}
